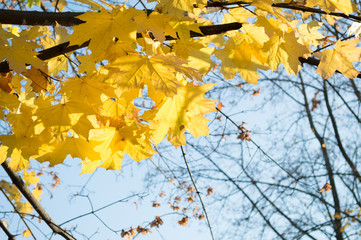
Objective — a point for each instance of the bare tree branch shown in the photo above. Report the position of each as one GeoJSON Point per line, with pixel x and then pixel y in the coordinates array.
{"type": "Point", "coordinates": [337, 134]}
{"type": "Point", "coordinates": [337, 223]}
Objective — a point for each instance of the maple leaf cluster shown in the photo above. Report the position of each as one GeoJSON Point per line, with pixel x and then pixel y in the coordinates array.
{"type": "Point", "coordinates": [135, 56]}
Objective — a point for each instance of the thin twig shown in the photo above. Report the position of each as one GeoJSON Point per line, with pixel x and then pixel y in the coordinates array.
{"type": "Point", "coordinates": [198, 193]}
{"type": "Point", "coordinates": [254, 143]}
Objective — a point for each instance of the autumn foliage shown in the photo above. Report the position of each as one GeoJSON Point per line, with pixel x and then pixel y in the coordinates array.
{"type": "Point", "coordinates": [140, 81]}
{"type": "Point", "coordinates": [135, 55]}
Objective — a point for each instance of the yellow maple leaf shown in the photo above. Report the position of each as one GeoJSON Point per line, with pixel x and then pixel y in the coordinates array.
{"type": "Point", "coordinates": [115, 112]}
{"type": "Point", "coordinates": [159, 71]}
{"type": "Point", "coordinates": [65, 115]}
{"type": "Point", "coordinates": [195, 52]}
{"type": "Point", "coordinates": [21, 148]}
{"type": "Point", "coordinates": [184, 111]}
{"type": "Point", "coordinates": [309, 33]}
{"type": "Point", "coordinates": [19, 53]}
{"type": "Point", "coordinates": [177, 7]}
{"type": "Point", "coordinates": [30, 177]}
{"type": "Point", "coordinates": [89, 89]}
{"type": "Point", "coordinates": [26, 233]}
{"type": "Point", "coordinates": [340, 59]}
{"type": "Point", "coordinates": [3, 153]}
{"type": "Point", "coordinates": [37, 192]}
{"type": "Point", "coordinates": [4, 36]}
{"type": "Point", "coordinates": [237, 15]}
{"type": "Point", "coordinates": [272, 26]}
{"type": "Point", "coordinates": [157, 24]}
{"type": "Point", "coordinates": [24, 207]}
{"type": "Point", "coordinates": [285, 50]}
{"type": "Point", "coordinates": [243, 53]}
{"type": "Point", "coordinates": [183, 26]}
{"type": "Point", "coordinates": [56, 151]}
{"type": "Point", "coordinates": [115, 50]}
{"type": "Point", "coordinates": [58, 63]}
{"type": "Point", "coordinates": [105, 27]}
{"type": "Point", "coordinates": [94, 5]}
{"type": "Point", "coordinates": [8, 101]}
{"type": "Point", "coordinates": [345, 6]}
{"type": "Point", "coordinates": [113, 143]}
{"type": "Point", "coordinates": [18, 161]}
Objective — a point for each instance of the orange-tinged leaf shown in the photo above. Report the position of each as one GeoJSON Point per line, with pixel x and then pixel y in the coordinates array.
{"type": "Point", "coordinates": [5, 81]}
{"type": "Point", "coordinates": [255, 93]}
{"type": "Point", "coordinates": [39, 81]}
{"type": "Point", "coordinates": [341, 58]}
{"type": "Point", "coordinates": [327, 187]}
{"type": "Point", "coordinates": [183, 221]}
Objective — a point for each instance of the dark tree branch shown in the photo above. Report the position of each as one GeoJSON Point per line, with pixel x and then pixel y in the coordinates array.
{"type": "Point", "coordinates": [315, 62]}
{"type": "Point", "coordinates": [292, 6]}
{"type": "Point", "coordinates": [337, 223]}
{"type": "Point", "coordinates": [206, 30]}
{"type": "Point", "coordinates": [337, 134]}
{"type": "Point", "coordinates": [19, 183]}
{"type": "Point", "coordinates": [39, 18]}
{"type": "Point", "coordinates": [355, 89]}
{"type": "Point", "coordinates": [65, 47]}
{"type": "Point", "coordinates": [6, 231]}
{"type": "Point", "coordinates": [69, 18]}
{"type": "Point", "coordinates": [344, 101]}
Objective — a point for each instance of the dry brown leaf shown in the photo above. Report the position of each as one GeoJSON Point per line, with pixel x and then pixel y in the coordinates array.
{"type": "Point", "coordinates": [327, 187]}
{"type": "Point", "coordinates": [183, 221]}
